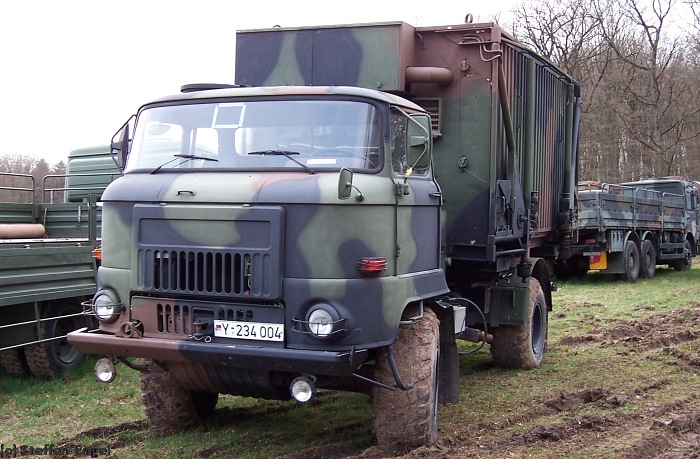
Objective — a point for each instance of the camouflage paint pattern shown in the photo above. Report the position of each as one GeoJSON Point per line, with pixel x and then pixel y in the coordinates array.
{"type": "Point", "coordinates": [266, 246]}
{"type": "Point", "coordinates": [487, 190]}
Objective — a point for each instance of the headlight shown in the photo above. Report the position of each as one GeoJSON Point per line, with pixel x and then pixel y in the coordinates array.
{"type": "Point", "coordinates": [105, 307]}
{"type": "Point", "coordinates": [324, 322]}
{"type": "Point", "coordinates": [320, 323]}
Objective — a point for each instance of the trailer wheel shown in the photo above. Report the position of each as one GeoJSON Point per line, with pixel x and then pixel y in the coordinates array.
{"type": "Point", "coordinates": [49, 359]}
{"type": "Point", "coordinates": [648, 267]}
{"type": "Point", "coordinates": [410, 418]}
{"type": "Point", "coordinates": [631, 261]}
{"type": "Point", "coordinates": [523, 346]}
{"type": "Point", "coordinates": [686, 262]}
{"type": "Point", "coordinates": [167, 404]}
{"type": "Point", "coordinates": [14, 362]}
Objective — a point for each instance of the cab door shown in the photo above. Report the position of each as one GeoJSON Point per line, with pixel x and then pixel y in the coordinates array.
{"type": "Point", "coordinates": [418, 197]}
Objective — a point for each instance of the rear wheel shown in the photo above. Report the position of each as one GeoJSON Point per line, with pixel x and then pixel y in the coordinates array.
{"type": "Point", "coordinates": [648, 267]}
{"type": "Point", "coordinates": [410, 417]}
{"type": "Point", "coordinates": [169, 405]}
{"type": "Point", "coordinates": [631, 260]}
{"type": "Point", "coordinates": [51, 358]}
{"type": "Point", "coordinates": [14, 362]}
{"type": "Point", "coordinates": [523, 346]}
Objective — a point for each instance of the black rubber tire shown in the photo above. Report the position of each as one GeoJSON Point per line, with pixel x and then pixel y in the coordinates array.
{"type": "Point", "coordinates": [167, 404]}
{"type": "Point", "coordinates": [50, 359]}
{"type": "Point", "coordinates": [14, 362]}
{"type": "Point", "coordinates": [648, 260]}
{"type": "Point", "coordinates": [523, 346]}
{"type": "Point", "coordinates": [631, 261]}
{"type": "Point", "coordinates": [410, 418]}
{"type": "Point", "coordinates": [686, 262]}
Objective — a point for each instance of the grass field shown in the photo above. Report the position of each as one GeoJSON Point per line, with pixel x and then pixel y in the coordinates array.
{"type": "Point", "coordinates": [620, 379]}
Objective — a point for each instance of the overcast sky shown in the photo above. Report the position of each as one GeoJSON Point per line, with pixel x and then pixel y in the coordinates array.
{"type": "Point", "coordinates": [72, 71]}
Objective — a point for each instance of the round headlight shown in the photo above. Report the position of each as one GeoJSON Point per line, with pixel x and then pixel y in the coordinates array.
{"type": "Point", "coordinates": [320, 323]}
{"type": "Point", "coordinates": [105, 307]}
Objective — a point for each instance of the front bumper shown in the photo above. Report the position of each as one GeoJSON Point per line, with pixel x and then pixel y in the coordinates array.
{"type": "Point", "coordinates": [331, 363]}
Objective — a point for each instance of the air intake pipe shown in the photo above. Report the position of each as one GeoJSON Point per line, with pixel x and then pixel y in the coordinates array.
{"type": "Point", "coordinates": [436, 75]}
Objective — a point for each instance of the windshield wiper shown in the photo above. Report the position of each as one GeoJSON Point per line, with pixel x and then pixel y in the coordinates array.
{"type": "Point", "coordinates": [186, 158]}
{"type": "Point", "coordinates": [287, 154]}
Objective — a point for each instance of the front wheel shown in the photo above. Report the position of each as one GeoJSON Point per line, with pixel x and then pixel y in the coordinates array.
{"type": "Point", "coordinates": [686, 262]}
{"type": "Point", "coordinates": [410, 417]}
{"type": "Point", "coordinates": [167, 404]}
{"type": "Point", "coordinates": [523, 346]}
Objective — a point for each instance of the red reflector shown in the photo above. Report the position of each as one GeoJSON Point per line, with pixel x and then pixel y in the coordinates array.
{"type": "Point", "coordinates": [594, 259]}
{"type": "Point", "coordinates": [371, 265]}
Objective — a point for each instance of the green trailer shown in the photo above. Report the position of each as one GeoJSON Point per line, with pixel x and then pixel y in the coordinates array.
{"type": "Point", "coordinates": [47, 265]}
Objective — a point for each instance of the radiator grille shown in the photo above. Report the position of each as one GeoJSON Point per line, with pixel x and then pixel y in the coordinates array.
{"type": "Point", "coordinates": [206, 272]}
{"type": "Point", "coordinates": [208, 251]}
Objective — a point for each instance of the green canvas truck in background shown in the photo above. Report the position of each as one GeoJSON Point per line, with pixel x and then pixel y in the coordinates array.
{"type": "Point", "coordinates": [46, 262]}
{"type": "Point", "coordinates": [629, 229]}
{"type": "Point", "coordinates": [362, 197]}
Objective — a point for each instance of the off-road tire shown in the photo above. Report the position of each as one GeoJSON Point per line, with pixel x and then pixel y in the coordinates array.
{"type": "Point", "coordinates": [523, 346]}
{"type": "Point", "coordinates": [167, 404]}
{"type": "Point", "coordinates": [409, 418]}
{"type": "Point", "coordinates": [14, 362]}
{"type": "Point", "coordinates": [648, 259]}
{"type": "Point", "coordinates": [686, 262]}
{"type": "Point", "coordinates": [50, 359]}
{"type": "Point", "coordinates": [631, 261]}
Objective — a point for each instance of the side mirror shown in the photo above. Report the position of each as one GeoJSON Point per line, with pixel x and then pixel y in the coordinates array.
{"type": "Point", "coordinates": [419, 141]}
{"type": "Point", "coordinates": [120, 143]}
{"type": "Point", "coordinates": [344, 183]}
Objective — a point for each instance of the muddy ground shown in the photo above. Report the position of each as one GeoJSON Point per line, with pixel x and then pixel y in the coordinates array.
{"type": "Point", "coordinates": [653, 417]}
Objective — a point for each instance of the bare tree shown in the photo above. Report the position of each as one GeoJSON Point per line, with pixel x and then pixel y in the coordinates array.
{"type": "Point", "coordinates": [656, 89]}
{"type": "Point", "coordinates": [640, 82]}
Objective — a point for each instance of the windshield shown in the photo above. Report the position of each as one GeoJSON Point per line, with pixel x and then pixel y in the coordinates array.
{"type": "Point", "coordinates": [309, 135]}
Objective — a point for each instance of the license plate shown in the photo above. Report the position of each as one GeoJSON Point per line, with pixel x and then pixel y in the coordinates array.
{"type": "Point", "coordinates": [249, 330]}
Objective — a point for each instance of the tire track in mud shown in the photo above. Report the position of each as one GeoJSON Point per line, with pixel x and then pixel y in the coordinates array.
{"type": "Point", "coordinates": [654, 431]}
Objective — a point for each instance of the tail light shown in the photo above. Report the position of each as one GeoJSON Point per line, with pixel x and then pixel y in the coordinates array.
{"type": "Point", "coordinates": [371, 265]}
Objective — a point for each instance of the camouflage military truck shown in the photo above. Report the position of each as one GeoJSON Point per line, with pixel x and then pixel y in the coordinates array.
{"type": "Point", "coordinates": [627, 230]}
{"type": "Point", "coordinates": [360, 199]}
{"type": "Point", "coordinates": [46, 261]}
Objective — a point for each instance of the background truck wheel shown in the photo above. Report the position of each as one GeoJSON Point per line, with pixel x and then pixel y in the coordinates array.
{"type": "Point", "coordinates": [516, 346]}
{"type": "Point", "coordinates": [410, 417]}
{"type": "Point", "coordinates": [648, 257]}
{"type": "Point", "coordinates": [169, 405]}
{"type": "Point", "coordinates": [631, 260]}
{"type": "Point", "coordinates": [14, 362]}
{"type": "Point", "coordinates": [686, 262]}
{"type": "Point", "coordinates": [51, 358]}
